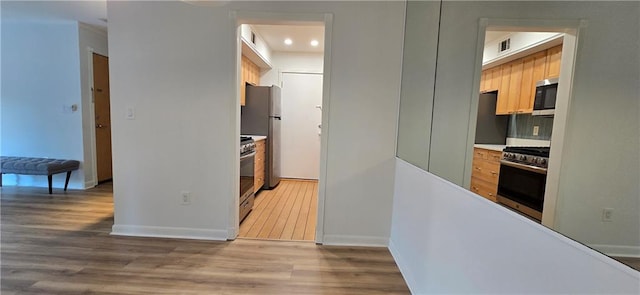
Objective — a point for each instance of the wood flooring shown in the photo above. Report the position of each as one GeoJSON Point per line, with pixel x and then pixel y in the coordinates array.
{"type": "Point", "coordinates": [60, 244]}
{"type": "Point", "coordinates": [288, 212]}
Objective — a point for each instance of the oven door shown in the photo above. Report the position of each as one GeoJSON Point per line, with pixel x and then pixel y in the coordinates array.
{"type": "Point", "coordinates": [521, 187]}
{"type": "Point", "coordinates": [246, 175]}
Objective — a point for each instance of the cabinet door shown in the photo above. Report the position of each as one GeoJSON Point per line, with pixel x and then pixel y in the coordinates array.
{"type": "Point", "coordinates": [554, 55]}
{"type": "Point", "coordinates": [502, 106]}
{"type": "Point", "coordinates": [515, 80]}
{"type": "Point", "coordinates": [527, 86]}
{"type": "Point", "coordinates": [259, 166]}
{"type": "Point", "coordinates": [243, 79]}
{"type": "Point", "coordinates": [495, 76]}
{"type": "Point", "coordinates": [250, 73]}
{"type": "Point", "coordinates": [533, 72]}
{"type": "Point", "coordinates": [483, 81]}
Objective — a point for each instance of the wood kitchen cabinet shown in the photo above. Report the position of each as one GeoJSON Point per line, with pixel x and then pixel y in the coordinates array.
{"type": "Point", "coordinates": [494, 76]}
{"type": "Point", "coordinates": [259, 159]}
{"type": "Point", "coordinates": [554, 55]}
{"type": "Point", "coordinates": [485, 174]}
{"type": "Point", "coordinates": [490, 80]}
{"type": "Point", "coordinates": [250, 73]}
{"type": "Point", "coordinates": [533, 71]}
{"type": "Point", "coordinates": [516, 80]}
{"type": "Point", "coordinates": [484, 81]}
{"type": "Point", "coordinates": [502, 106]}
{"type": "Point", "coordinates": [509, 91]}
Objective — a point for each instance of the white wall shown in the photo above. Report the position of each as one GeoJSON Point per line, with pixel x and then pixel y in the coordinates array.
{"type": "Point", "coordinates": [600, 160]}
{"type": "Point", "coordinates": [298, 63]}
{"type": "Point", "coordinates": [447, 240]}
{"type": "Point", "coordinates": [291, 62]}
{"type": "Point", "coordinates": [184, 136]}
{"type": "Point", "coordinates": [90, 40]}
{"type": "Point", "coordinates": [40, 82]}
{"type": "Point", "coordinates": [260, 46]}
{"type": "Point", "coordinates": [418, 78]}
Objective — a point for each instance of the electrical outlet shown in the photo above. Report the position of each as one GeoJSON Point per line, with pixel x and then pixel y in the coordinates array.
{"type": "Point", "coordinates": [185, 198]}
{"type": "Point", "coordinates": [607, 214]}
{"type": "Point", "coordinates": [535, 130]}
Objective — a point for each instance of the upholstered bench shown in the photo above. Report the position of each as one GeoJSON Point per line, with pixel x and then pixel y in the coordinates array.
{"type": "Point", "coordinates": [37, 166]}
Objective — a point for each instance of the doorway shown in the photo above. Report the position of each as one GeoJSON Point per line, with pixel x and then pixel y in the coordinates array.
{"type": "Point", "coordinates": [518, 55]}
{"type": "Point", "coordinates": [288, 211]}
{"type": "Point", "coordinates": [102, 111]}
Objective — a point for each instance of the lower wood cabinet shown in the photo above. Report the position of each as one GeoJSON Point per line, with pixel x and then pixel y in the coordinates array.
{"type": "Point", "coordinates": [259, 165]}
{"type": "Point", "coordinates": [485, 174]}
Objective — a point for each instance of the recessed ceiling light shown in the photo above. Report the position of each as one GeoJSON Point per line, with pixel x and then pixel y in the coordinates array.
{"type": "Point", "coordinates": [288, 41]}
{"type": "Point", "coordinates": [314, 43]}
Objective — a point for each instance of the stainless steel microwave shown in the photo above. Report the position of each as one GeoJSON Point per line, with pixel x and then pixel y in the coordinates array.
{"type": "Point", "coordinates": [544, 103]}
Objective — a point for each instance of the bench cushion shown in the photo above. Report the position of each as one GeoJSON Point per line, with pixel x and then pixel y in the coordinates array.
{"type": "Point", "coordinates": [36, 166]}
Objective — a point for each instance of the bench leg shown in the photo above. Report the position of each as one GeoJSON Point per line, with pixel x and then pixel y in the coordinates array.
{"type": "Point", "coordinates": [66, 182]}
{"type": "Point", "coordinates": [50, 178]}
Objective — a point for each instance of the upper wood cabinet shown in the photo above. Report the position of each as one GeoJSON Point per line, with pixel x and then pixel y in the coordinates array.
{"type": "Point", "coordinates": [490, 80]}
{"type": "Point", "coordinates": [516, 80]}
{"type": "Point", "coordinates": [554, 55]}
{"type": "Point", "coordinates": [250, 73]}
{"type": "Point", "coordinates": [495, 78]}
{"type": "Point", "coordinates": [533, 71]}
{"type": "Point", "coordinates": [502, 105]}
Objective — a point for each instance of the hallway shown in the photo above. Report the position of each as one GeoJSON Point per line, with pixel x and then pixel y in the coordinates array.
{"type": "Point", "coordinates": [287, 212]}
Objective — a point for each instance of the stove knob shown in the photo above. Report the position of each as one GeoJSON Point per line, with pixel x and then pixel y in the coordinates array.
{"type": "Point", "coordinates": [543, 162]}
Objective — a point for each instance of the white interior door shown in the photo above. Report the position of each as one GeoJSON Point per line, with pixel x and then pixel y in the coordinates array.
{"type": "Point", "coordinates": [301, 119]}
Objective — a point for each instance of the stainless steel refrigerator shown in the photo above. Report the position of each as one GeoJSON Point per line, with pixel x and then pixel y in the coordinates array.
{"type": "Point", "coordinates": [261, 115]}
{"type": "Point", "coordinates": [490, 128]}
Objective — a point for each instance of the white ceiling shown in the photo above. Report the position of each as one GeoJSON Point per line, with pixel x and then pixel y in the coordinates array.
{"type": "Point", "coordinates": [301, 35]}
{"type": "Point", "coordinates": [93, 13]}
{"type": "Point", "coordinates": [495, 35]}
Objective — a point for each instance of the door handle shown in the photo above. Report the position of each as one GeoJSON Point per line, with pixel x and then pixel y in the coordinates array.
{"type": "Point", "coordinates": [101, 126]}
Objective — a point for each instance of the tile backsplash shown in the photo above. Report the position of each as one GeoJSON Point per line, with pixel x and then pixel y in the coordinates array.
{"type": "Point", "coordinates": [521, 126]}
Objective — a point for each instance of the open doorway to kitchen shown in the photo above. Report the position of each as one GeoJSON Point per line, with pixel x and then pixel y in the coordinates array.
{"type": "Point", "coordinates": [281, 103]}
{"type": "Point", "coordinates": [524, 93]}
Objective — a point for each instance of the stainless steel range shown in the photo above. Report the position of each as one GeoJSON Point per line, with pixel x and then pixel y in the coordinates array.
{"type": "Point", "coordinates": [247, 154]}
{"type": "Point", "coordinates": [523, 177]}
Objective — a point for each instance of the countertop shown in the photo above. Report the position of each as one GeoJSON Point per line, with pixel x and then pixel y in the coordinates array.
{"type": "Point", "coordinates": [256, 137]}
{"type": "Point", "coordinates": [492, 147]}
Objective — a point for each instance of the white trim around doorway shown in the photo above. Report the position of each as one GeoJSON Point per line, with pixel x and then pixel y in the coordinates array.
{"type": "Point", "coordinates": [571, 29]}
{"type": "Point", "coordinates": [238, 17]}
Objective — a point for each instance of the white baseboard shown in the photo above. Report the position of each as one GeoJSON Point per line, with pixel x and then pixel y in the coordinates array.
{"type": "Point", "coordinates": [615, 250]}
{"type": "Point", "coordinates": [169, 232]}
{"type": "Point", "coordinates": [404, 268]}
{"type": "Point", "coordinates": [89, 184]}
{"type": "Point", "coordinates": [232, 234]}
{"type": "Point", "coordinates": [343, 240]}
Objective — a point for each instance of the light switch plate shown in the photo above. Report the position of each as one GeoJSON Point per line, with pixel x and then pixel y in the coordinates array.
{"type": "Point", "coordinates": [131, 113]}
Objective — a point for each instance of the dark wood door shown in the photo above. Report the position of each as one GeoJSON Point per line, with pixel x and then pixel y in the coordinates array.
{"type": "Point", "coordinates": [102, 107]}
